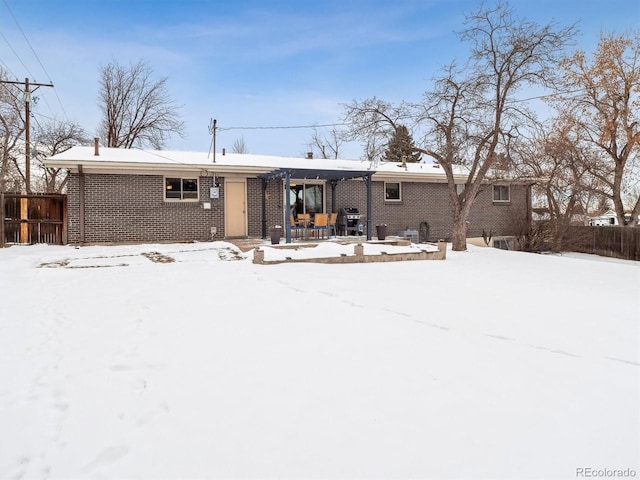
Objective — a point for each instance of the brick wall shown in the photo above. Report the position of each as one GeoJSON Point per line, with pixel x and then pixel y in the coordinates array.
{"type": "Point", "coordinates": [429, 202]}
{"type": "Point", "coordinates": [274, 204]}
{"type": "Point", "coordinates": [131, 208]}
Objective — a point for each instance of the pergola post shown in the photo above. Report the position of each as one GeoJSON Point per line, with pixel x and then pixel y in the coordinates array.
{"type": "Point", "coordinates": [367, 181]}
{"type": "Point", "coordinates": [264, 208]}
{"type": "Point", "coordinates": [334, 184]}
{"type": "Point", "coordinates": [287, 207]}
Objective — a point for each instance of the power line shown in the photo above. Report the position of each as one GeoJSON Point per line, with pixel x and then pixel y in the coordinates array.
{"type": "Point", "coordinates": [16, 53]}
{"type": "Point", "coordinates": [283, 127]}
{"type": "Point", "coordinates": [37, 58]}
{"type": "Point", "coordinates": [539, 97]}
{"type": "Point", "coordinates": [6, 67]}
{"type": "Point", "coordinates": [27, 40]}
{"type": "Point", "coordinates": [38, 114]}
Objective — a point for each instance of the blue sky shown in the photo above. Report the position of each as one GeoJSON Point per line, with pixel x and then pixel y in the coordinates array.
{"type": "Point", "coordinates": [259, 63]}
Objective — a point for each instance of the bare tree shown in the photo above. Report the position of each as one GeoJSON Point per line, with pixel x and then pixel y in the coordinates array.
{"type": "Point", "coordinates": [51, 139]}
{"type": "Point", "coordinates": [471, 118]}
{"type": "Point", "coordinates": [556, 161]}
{"type": "Point", "coordinates": [137, 110]}
{"type": "Point", "coordinates": [374, 122]}
{"type": "Point", "coordinates": [606, 113]}
{"type": "Point", "coordinates": [327, 145]}
{"type": "Point", "coordinates": [374, 148]}
{"type": "Point", "coordinates": [11, 135]}
{"type": "Point", "coordinates": [239, 146]}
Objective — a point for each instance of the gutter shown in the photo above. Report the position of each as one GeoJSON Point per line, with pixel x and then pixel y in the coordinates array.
{"type": "Point", "coordinates": [152, 168]}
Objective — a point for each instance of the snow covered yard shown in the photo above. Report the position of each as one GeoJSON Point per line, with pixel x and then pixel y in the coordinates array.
{"type": "Point", "coordinates": [192, 362]}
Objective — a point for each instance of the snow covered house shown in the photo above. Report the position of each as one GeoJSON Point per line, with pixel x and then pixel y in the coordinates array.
{"type": "Point", "coordinates": [608, 218]}
{"type": "Point", "coordinates": [130, 195]}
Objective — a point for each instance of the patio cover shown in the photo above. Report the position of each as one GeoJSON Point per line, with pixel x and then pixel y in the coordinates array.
{"type": "Point", "coordinates": [332, 176]}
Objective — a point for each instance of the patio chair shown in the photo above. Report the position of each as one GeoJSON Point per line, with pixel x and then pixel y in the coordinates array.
{"type": "Point", "coordinates": [333, 217]}
{"type": "Point", "coordinates": [304, 219]}
{"type": "Point", "coordinates": [295, 227]}
{"type": "Point", "coordinates": [320, 224]}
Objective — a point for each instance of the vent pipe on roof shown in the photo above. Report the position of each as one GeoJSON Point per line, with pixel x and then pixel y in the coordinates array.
{"type": "Point", "coordinates": [224, 152]}
{"type": "Point", "coordinates": [309, 155]}
{"type": "Point", "coordinates": [96, 149]}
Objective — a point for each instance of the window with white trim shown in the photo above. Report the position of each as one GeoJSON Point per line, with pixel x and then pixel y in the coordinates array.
{"type": "Point", "coordinates": [502, 243]}
{"type": "Point", "coordinates": [392, 191]}
{"type": "Point", "coordinates": [501, 193]}
{"type": "Point", "coordinates": [179, 189]}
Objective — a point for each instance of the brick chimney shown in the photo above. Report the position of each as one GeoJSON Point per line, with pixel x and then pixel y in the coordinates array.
{"type": "Point", "coordinates": [96, 146]}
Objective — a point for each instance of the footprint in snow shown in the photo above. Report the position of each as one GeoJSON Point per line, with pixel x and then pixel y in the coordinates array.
{"type": "Point", "coordinates": [106, 457]}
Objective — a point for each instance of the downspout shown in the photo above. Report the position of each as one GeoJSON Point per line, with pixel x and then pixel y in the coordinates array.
{"type": "Point", "coordinates": [81, 202]}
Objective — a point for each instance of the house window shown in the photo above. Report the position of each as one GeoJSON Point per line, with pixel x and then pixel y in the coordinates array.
{"type": "Point", "coordinates": [306, 198]}
{"type": "Point", "coordinates": [392, 192]}
{"type": "Point", "coordinates": [180, 189]}
{"type": "Point", "coordinates": [501, 193]}
{"type": "Point", "coordinates": [502, 244]}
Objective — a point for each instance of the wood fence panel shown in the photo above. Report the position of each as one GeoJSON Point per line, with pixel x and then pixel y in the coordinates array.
{"type": "Point", "coordinates": [2, 217]}
{"type": "Point", "coordinates": [614, 241]}
{"type": "Point", "coordinates": [33, 219]}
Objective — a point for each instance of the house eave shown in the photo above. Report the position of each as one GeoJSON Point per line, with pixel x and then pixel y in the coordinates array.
{"type": "Point", "coordinates": [105, 167]}
{"type": "Point", "coordinates": [431, 177]}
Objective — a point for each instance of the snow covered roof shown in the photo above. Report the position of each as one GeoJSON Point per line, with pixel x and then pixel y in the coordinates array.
{"type": "Point", "coordinates": [607, 214]}
{"type": "Point", "coordinates": [148, 161]}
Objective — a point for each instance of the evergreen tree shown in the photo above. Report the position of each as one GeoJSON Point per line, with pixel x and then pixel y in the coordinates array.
{"type": "Point", "coordinates": [401, 144]}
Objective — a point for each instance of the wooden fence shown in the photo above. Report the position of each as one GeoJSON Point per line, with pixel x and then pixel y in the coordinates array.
{"type": "Point", "coordinates": [614, 241]}
{"type": "Point", "coordinates": [32, 219]}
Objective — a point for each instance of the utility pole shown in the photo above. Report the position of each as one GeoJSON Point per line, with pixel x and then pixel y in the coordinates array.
{"type": "Point", "coordinates": [27, 124]}
{"type": "Point", "coordinates": [212, 131]}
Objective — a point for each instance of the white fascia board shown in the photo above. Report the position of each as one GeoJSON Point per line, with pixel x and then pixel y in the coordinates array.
{"type": "Point", "coordinates": [416, 177]}
{"type": "Point", "coordinates": [124, 168]}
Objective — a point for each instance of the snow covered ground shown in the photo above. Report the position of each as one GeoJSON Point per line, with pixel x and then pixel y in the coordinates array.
{"type": "Point", "coordinates": [192, 362]}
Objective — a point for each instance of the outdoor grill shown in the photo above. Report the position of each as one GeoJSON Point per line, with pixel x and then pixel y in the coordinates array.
{"type": "Point", "coordinates": [349, 221]}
